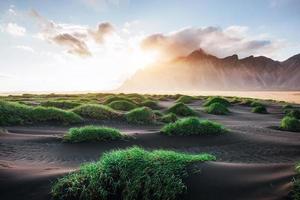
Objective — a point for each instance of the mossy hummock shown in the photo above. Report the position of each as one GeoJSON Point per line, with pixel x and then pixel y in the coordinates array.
{"type": "Point", "coordinates": [181, 109]}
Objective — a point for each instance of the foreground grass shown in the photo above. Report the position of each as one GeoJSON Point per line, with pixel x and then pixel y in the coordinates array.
{"type": "Point", "coordinates": [128, 174]}
{"type": "Point", "coordinates": [122, 105]}
{"type": "Point", "coordinates": [168, 118]}
{"type": "Point", "coordinates": [92, 133]}
{"type": "Point", "coordinates": [259, 109]}
{"type": "Point", "coordinates": [293, 113]}
{"type": "Point", "coordinates": [193, 126]}
{"type": "Point", "coordinates": [217, 109]}
{"type": "Point", "coordinates": [290, 124]}
{"type": "Point", "coordinates": [95, 111]}
{"type": "Point", "coordinates": [12, 113]}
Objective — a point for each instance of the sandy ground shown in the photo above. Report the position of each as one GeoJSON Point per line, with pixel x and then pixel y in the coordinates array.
{"type": "Point", "coordinates": [254, 160]}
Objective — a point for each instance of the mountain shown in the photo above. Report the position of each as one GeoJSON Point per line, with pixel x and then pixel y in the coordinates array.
{"type": "Point", "coordinates": [202, 71]}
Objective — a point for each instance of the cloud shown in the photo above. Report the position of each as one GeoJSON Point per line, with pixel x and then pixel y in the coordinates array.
{"type": "Point", "coordinates": [101, 5]}
{"type": "Point", "coordinates": [103, 30]}
{"type": "Point", "coordinates": [214, 40]}
{"type": "Point", "coordinates": [75, 45]}
{"type": "Point", "coordinates": [25, 48]}
{"type": "Point", "coordinates": [14, 29]}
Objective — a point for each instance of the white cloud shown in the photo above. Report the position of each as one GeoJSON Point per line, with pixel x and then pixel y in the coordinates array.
{"type": "Point", "coordinates": [25, 48]}
{"type": "Point", "coordinates": [14, 29]}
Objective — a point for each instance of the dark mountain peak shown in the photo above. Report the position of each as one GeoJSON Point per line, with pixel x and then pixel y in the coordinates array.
{"type": "Point", "coordinates": [199, 54]}
{"type": "Point", "coordinates": [295, 58]}
{"type": "Point", "coordinates": [232, 58]}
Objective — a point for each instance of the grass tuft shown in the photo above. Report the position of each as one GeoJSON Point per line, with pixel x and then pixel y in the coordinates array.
{"type": "Point", "coordinates": [169, 118]}
{"type": "Point", "coordinates": [17, 114]}
{"type": "Point", "coordinates": [295, 194]}
{"type": "Point", "coordinates": [95, 111]}
{"type": "Point", "coordinates": [181, 109]}
{"type": "Point", "coordinates": [217, 109]}
{"type": "Point", "coordinates": [60, 104]}
{"type": "Point", "coordinates": [193, 126]}
{"type": "Point", "coordinates": [185, 99]}
{"type": "Point", "coordinates": [122, 105]}
{"type": "Point", "coordinates": [150, 104]}
{"type": "Point", "coordinates": [92, 133]}
{"type": "Point", "coordinates": [128, 174]}
{"type": "Point", "coordinates": [142, 115]}
{"type": "Point", "coordinates": [294, 113]}
{"type": "Point", "coordinates": [220, 100]}
{"type": "Point", "coordinates": [259, 109]}
{"type": "Point", "coordinates": [290, 124]}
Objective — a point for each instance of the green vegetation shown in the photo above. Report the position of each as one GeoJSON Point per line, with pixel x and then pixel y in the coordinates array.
{"type": "Point", "coordinates": [12, 113]}
{"type": "Point", "coordinates": [181, 109]}
{"type": "Point", "coordinates": [220, 100]}
{"type": "Point", "coordinates": [95, 111]}
{"type": "Point", "coordinates": [122, 105]}
{"type": "Point", "coordinates": [290, 124]}
{"type": "Point", "coordinates": [217, 109]}
{"type": "Point", "coordinates": [287, 106]}
{"type": "Point", "coordinates": [295, 194]}
{"type": "Point", "coordinates": [185, 99]}
{"type": "Point", "coordinates": [60, 104]}
{"type": "Point", "coordinates": [143, 115]}
{"type": "Point", "coordinates": [150, 104]}
{"type": "Point", "coordinates": [132, 173]}
{"type": "Point", "coordinates": [294, 113]}
{"type": "Point", "coordinates": [168, 118]}
{"type": "Point", "coordinates": [259, 109]}
{"type": "Point", "coordinates": [256, 104]}
{"type": "Point", "coordinates": [92, 133]}
{"type": "Point", "coordinates": [112, 98]}
{"type": "Point", "coordinates": [193, 126]}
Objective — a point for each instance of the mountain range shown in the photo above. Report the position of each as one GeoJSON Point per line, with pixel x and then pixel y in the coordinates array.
{"type": "Point", "coordinates": [202, 71]}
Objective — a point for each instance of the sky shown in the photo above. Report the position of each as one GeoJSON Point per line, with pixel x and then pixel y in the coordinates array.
{"type": "Point", "coordinates": [95, 45]}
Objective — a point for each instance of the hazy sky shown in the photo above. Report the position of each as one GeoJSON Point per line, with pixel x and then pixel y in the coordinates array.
{"type": "Point", "coordinates": [64, 45]}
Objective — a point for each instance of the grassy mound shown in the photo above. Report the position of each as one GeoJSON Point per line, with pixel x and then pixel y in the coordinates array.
{"type": "Point", "coordinates": [168, 118]}
{"type": "Point", "coordinates": [256, 104]}
{"type": "Point", "coordinates": [193, 126]}
{"type": "Point", "coordinates": [181, 109]}
{"type": "Point", "coordinates": [290, 124]}
{"type": "Point", "coordinates": [185, 99]}
{"type": "Point", "coordinates": [220, 100]}
{"type": "Point", "coordinates": [143, 115]}
{"type": "Point", "coordinates": [92, 133]}
{"type": "Point", "coordinates": [132, 173]}
{"type": "Point", "coordinates": [287, 106]}
{"type": "Point", "coordinates": [122, 105]}
{"type": "Point", "coordinates": [95, 111]}
{"type": "Point", "coordinates": [295, 194]}
{"type": "Point", "coordinates": [112, 98]}
{"type": "Point", "coordinates": [259, 109]}
{"type": "Point", "coordinates": [60, 104]}
{"type": "Point", "coordinates": [150, 104]}
{"type": "Point", "coordinates": [18, 114]}
{"type": "Point", "coordinates": [217, 109]}
{"type": "Point", "coordinates": [294, 113]}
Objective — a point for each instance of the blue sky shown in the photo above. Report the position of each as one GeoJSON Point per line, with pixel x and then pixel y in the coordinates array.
{"type": "Point", "coordinates": [41, 52]}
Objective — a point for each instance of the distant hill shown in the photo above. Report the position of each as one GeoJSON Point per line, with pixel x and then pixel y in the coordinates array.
{"type": "Point", "coordinates": [202, 71]}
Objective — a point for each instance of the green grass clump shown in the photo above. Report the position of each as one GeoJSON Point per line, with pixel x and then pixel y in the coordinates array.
{"type": "Point", "coordinates": [256, 104]}
{"type": "Point", "coordinates": [181, 109]}
{"type": "Point", "coordinates": [122, 105]}
{"type": "Point", "coordinates": [290, 124]}
{"type": "Point", "coordinates": [150, 104]}
{"type": "Point", "coordinates": [169, 118]}
{"type": "Point", "coordinates": [294, 113]}
{"type": "Point", "coordinates": [142, 115]}
{"type": "Point", "coordinates": [259, 109]}
{"type": "Point", "coordinates": [60, 104]}
{"type": "Point", "coordinates": [17, 114]}
{"type": "Point", "coordinates": [95, 111]}
{"type": "Point", "coordinates": [212, 100]}
{"type": "Point", "coordinates": [193, 126]}
{"type": "Point", "coordinates": [133, 173]}
{"type": "Point", "coordinates": [112, 98]}
{"type": "Point", "coordinates": [217, 109]}
{"type": "Point", "coordinates": [295, 193]}
{"type": "Point", "coordinates": [287, 106]}
{"type": "Point", "coordinates": [185, 99]}
{"type": "Point", "coordinates": [92, 133]}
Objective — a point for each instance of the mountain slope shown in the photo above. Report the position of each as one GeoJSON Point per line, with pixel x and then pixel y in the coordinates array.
{"type": "Point", "coordinates": [202, 71]}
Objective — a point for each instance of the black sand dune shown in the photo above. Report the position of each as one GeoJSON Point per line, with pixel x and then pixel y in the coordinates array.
{"type": "Point", "coordinates": [254, 161]}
